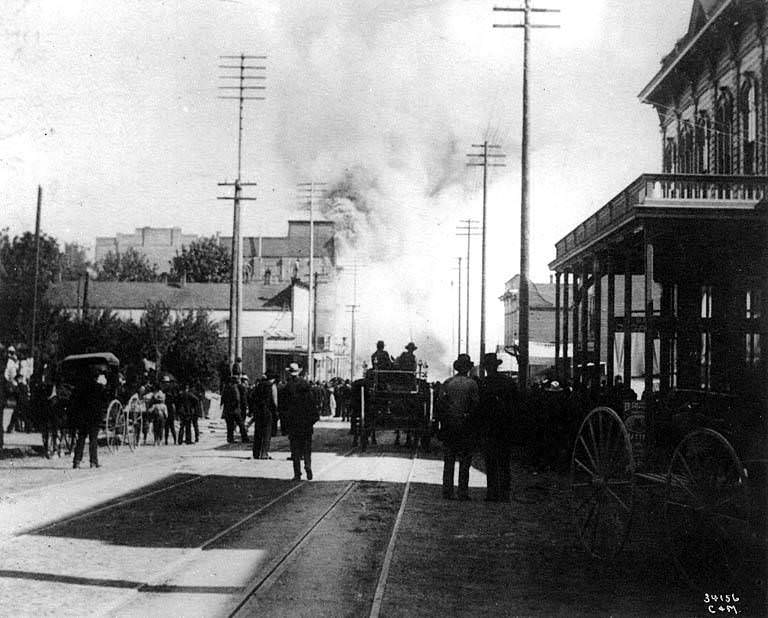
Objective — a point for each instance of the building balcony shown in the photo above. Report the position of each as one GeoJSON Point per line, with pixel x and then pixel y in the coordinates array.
{"type": "Point", "coordinates": [653, 195]}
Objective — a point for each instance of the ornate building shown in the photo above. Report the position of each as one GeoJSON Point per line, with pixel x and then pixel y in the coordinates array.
{"type": "Point", "coordinates": [695, 234]}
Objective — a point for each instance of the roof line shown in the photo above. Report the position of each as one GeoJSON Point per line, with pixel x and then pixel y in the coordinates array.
{"type": "Point", "coordinates": [664, 72]}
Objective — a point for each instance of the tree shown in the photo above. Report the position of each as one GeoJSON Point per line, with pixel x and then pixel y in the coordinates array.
{"type": "Point", "coordinates": [156, 331]}
{"type": "Point", "coordinates": [17, 276]}
{"type": "Point", "coordinates": [130, 265]}
{"type": "Point", "coordinates": [194, 353]}
{"type": "Point", "coordinates": [204, 261]}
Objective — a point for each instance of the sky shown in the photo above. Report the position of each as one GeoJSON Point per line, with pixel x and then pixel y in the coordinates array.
{"type": "Point", "coordinates": [112, 108]}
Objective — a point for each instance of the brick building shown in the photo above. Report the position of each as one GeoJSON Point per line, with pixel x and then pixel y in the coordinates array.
{"type": "Point", "coordinates": [158, 244]}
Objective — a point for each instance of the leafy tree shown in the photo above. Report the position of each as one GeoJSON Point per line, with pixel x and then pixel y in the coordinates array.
{"type": "Point", "coordinates": [204, 261]}
{"type": "Point", "coordinates": [155, 331]}
{"type": "Point", "coordinates": [130, 265]}
{"type": "Point", "coordinates": [17, 276]}
{"type": "Point", "coordinates": [194, 353]}
{"type": "Point", "coordinates": [102, 331]}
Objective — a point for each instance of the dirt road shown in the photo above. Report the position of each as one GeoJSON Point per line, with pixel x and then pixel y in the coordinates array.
{"type": "Point", "coordinates": [207, 531]}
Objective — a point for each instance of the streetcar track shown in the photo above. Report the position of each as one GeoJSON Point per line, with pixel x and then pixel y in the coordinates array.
{"type": "Point", "coordinates": [282, 562]}
{"type": "Point", "coordinates": [378, 596]}
{"type": "Point", "coordinates": [278, 566]}
{"type": "Point", "coordinates": [156, 581]}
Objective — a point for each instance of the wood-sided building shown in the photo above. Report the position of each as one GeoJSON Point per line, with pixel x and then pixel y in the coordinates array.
{"type": "Point", "coordinates": [697, 233]}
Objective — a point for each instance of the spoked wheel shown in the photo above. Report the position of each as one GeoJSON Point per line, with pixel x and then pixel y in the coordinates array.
{"type": "Point", "coordinates": [602, 483]}
{"type": "Point", "coordinates": [115, 425]}
{"type": "Point", "coordinates": [706, 510]}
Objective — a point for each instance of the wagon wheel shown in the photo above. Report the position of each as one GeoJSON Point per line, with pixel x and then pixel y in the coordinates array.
{"type": "Point", "coordinates": [115, 425]}
{"type": "Point", "coordinates": [602, 483]}
{"type": "Point", "coordinates": [706, 510]}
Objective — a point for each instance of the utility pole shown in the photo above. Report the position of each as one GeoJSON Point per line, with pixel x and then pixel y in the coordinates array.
{"type": "Point", "coordinates": [468, 228]}
{"type": "Point", "coordinates": [352, 308]}
{"type": "Point", "coordinates": [484, 156]}
{"type": "Point", "coordinates": [307, 191]}
{"type": "Point", "coordinates": [37, 269]}
{"type": "Point", "coordinates": [458, 344]}
{"type": "Point", "coordinates": [524, 206]}
{"type": "Point", "coordinates": [243, 73]}
{"type": "Point", "coordinates": [317, 281]}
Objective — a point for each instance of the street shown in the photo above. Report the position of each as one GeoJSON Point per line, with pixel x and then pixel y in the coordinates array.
{"type": "Point", "coordinates": [204, 530]}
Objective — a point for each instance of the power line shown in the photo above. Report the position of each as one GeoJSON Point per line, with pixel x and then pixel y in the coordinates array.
{"type": "Point", "coordinates": [308, 191]}
{"type": "Point", "coordinates": [526, 10]}
{"type": "Point", "coordinates": [468, 228]}
{"type": "Point", "coordinates": [485, 164]}
{"type": "Point", "coordinates": [242, 72]}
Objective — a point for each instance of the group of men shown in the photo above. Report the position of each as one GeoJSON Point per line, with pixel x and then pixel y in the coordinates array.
{"type": "Point", "coordinates": [382, 361]}
{"type": "Point", "coordinates": [296, 406]}
{"type": "Point", "coordinates": [477, 414]}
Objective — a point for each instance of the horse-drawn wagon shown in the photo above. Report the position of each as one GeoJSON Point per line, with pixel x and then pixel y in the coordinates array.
{"type": "Point", "coordinates": [704, 455]}
{"type": "Point", "coordinates": [117, 425]}
{"type": "Point", "coordinates": [393, 399]}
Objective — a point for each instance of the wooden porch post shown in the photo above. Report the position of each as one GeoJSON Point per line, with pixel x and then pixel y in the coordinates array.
{"type": "Point", "coordinates": [609, 318]}
{"type": "Point", "coordinates": [557, 325]}
{"type": "Point", "coordinates": [627, 321]}
{"type": "Point", "coordinates": [648, 252]}
{"type": "Point", "coordinates": [597, 274]}
{"type": "Point", "coordinates": [566, 361]}
{"type": "Point", "coordinates": [584, 324]}
{"type": "Point", "coordinates": [666, 333]}
{"type": "Point", "coordinates": [576, 348]}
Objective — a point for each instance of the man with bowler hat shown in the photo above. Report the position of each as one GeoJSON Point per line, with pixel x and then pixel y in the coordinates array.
{"type": "Point", "coordinates": [498, 402]}
{"type": "Point", "coordinates": [456, 408]}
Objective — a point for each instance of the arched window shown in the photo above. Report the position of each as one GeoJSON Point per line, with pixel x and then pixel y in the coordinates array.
{"type": "Point", "coordinates": [748, 114]}
{"type": "Point", "coordinates": [670, 156]}
{"type": "Point", "coordinates": [723, 132]}
{"type": "Point", "coordinates": [702, 137]}
{"type": "Point", "coordinates": [686, 148]}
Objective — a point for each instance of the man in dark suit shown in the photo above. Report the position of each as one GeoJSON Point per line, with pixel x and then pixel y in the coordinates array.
{"type": "Point", "coordinates": [300, 415]}
{"type": "Point", "coordinates": [89, 405]}
{"type": "Point", "coordinates": [498, 403]}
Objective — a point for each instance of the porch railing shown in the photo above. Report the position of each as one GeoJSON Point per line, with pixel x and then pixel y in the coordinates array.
{"type": "Point", "coordinates": [669, 188]}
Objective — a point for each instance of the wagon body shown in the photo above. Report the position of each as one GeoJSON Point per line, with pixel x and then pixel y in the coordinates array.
{"type": "Point", "coordinates": [398, 400]}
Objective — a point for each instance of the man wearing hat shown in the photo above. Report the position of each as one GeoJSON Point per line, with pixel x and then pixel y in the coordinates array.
{"type": "Point", "coordinates": [498, 403]}
{"type": "Point", "coordinates": [262, 403]}
{"type": "Point", "coordinates": [456, 408]}
{"type": "Point", "coordinates": [407, 361]}
{"type": "Point", "coordinates": [299, 415]}
{"type": "Point", "coordinates": [230, 402]}
{"type": "Point", "coordinates": [381, 359]}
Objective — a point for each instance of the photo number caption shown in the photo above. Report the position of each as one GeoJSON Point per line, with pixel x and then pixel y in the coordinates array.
{"type": "Point", "coordinates": [721, 603]}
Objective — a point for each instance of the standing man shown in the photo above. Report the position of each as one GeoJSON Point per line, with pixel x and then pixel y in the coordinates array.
{"type": "Point", "coordinates": [498, 403]}
{"type": "Point", "coordinates": [300, 414]}
{"type": "Point", "coordinates": [457, 406]}
{"type": "Point", "coordinates": [262, 402]}
{"type": "Point", "coordinates": [230, 402]}
{"type": "Point", "coordinates": [187, 405]}
{"type": "Point", "coordinates": [90, 400]}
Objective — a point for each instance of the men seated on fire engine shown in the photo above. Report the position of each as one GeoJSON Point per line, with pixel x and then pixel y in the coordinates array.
{"type": "Point", "coordinates": [407, 361]}
{"type": "Point", "coordinates": [381, 359]}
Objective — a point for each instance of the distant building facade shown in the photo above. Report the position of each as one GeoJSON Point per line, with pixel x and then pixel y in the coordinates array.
{"type": "Point", "coordinates": [159, 244]}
